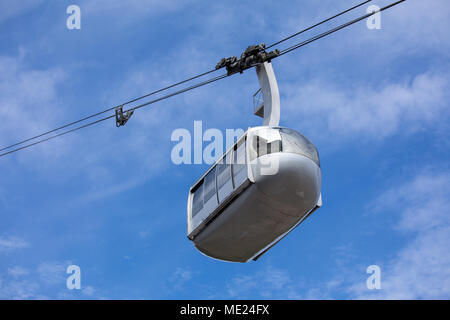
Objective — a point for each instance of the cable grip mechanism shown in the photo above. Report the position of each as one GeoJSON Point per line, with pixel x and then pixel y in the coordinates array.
{"type": "Point", "coordinates": [121, 117]}
{"type": "Point", "coordinates": [252, 56]}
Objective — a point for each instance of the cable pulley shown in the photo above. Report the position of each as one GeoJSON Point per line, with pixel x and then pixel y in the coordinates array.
{"type": "Point", "coordinates": [252, 56]}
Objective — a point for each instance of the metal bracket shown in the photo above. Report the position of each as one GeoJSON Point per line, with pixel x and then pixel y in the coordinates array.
{"type": "Point", "coordinates": [252, 56]}
{"type": "Point", "coordinates": [269, 107]}
{"type": "Point", "coordinates": [122, 118]}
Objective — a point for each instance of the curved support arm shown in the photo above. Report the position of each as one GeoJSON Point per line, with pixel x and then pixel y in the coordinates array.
{"type": "Point", "coordinates": [271, 96]}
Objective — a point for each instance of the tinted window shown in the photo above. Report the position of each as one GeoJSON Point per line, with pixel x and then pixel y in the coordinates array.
{"type": "Point", "coordinates": [224, 184]}
{"type": "Point", "coordinates": [223, 173]}
{"type": "Point", "coordinates": [210, 185]}
{"type": "Point", "coordinates": [239, 154]}
{"type": "Point", "coordinates": [197, 201]}
{"type": "Point", "coordinates": [294, 142]}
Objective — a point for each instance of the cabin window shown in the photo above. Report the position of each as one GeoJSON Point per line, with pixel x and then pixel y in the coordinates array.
{"type": "Point", "coordinates": [223, 173]}
{"type": "Point", "coordinates": [294, 142]}
{"type": "Point", "coordinates": [224, 183]}
{"type": "Point", "coordinates": [197, 201]}
{"type": "Point", "coordinates": [210, 185]}
{"type": "Point", "coordinates": [239, 163]}
{"type": "Point", "coordinates": [265, 141]}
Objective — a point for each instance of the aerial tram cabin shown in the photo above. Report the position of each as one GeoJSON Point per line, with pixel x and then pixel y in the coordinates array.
{"type": "Point", "coordinates": [264, 186]}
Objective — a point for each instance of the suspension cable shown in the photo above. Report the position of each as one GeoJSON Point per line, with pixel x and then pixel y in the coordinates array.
{"type": "Point", "coordinates": [112, 116]}
{"type": "Point", "coordinates": [342, 26]}
{"type": "Point", "coordinates": [318, 24]}
{"type": "Point", "coordinates": [106, 110]}
{"type": "Point", "coordinates": [132, 109]}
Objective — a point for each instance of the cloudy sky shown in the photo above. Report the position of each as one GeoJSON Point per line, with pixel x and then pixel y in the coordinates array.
{"type": "Point", "coordinates": [374, 102]}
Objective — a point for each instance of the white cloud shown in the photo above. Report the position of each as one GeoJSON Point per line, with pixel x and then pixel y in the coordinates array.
{"type": "Point", "coordinates": [414, 28]}
{"type": "Point", "coordinates": [8, 244]}
{"type": "Point", "coordinates": [268, 283]}
{"type": "Point", "coordinates": [18, 289]}
{"type": "Point", "coordinates": [420, 25]}
{"type": "Point", "coordinates": [53, 272]}
{"type": "Point", "coordinates": [17, 271]}
{"type": "Point", "coordinates": [27, 99]}
{"type": "Point", "coordinates": [272, 282]}
{"type": "Point", "coordinates": [31, 102]}
{"type": "Point", "coordinates": [47, 281]}
{"type": "Point", "coordinates": [418, 270]}
{"type": "Point", "coordinates": [180, 277]}
{"type": "Point", "coordinates": [365, 112]}
{"type": "Point", "coordinates": [421, 269]}
{"type": "Point", "coordinates": [89, 291]}
{"type": "Point", "coordinates": [422, 201]}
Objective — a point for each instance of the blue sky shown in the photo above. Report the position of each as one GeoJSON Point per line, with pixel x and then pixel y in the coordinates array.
{"type": "Point", "coordinates": [374, 102]}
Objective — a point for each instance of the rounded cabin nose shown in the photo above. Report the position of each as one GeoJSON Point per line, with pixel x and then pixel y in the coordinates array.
{"type": "Point", "coordinates": [292, 180]}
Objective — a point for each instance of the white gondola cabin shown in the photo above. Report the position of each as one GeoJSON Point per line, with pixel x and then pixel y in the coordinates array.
{"type": "Point", "coordinates": [264, 186]}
